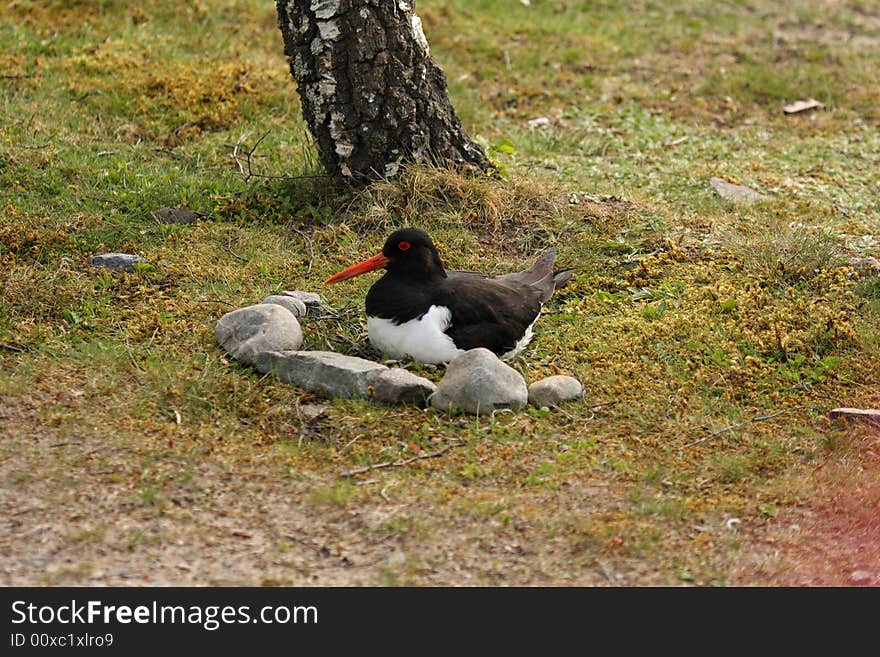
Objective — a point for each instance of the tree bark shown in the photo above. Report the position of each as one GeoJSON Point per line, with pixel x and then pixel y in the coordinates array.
{"type": "Point", "coordinates": [371, 94]}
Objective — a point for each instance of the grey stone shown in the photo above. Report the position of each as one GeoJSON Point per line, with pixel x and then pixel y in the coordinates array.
{"type": "Point", "coordinates": [735, 193]}
{"type": "Point", "coordinates": [336, 375]}
{"type": "Point", "coordinates": [868, 264]}
{"type": "Point", "coordinates": [397, 558]}
{"type": "Point", "coordinates": [539, 122]}
{"type": "Point", "coordinates": [311, 412]}
{"type": "Point", "coordinates": [869, 415]}
{"type": "Point", "coordinates": [398, 386]}
{"type": "Point", "coordinates": [247, 332]}
{"type": "Point", "coordinates": [554, 390]}
{"type": "Point", "coordinates": [294, 305]}
{"type": "Point", "coordinates": [801, 106]}
{"type": "Point", "coordinates": [177, 216]}
{"type": "Point", "coordinates": [116, 261]}
{"type": "Point", "coordinates": [478, 382]}
{"type": "Point", "coordinates": [312, 301]}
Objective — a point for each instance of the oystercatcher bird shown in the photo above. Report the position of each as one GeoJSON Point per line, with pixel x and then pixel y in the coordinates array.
{"type": "Point", "coordinates": [421, 310]}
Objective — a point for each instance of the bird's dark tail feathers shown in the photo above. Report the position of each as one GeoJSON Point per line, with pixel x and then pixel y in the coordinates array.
{"type": "Point", "coordinates": [541, 274]}
{"type": "Point", "coordinates": [561, 277]}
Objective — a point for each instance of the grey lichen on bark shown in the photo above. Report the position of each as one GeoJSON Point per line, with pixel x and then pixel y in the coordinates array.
{"type": "Point", "coordinates": [371, 94]}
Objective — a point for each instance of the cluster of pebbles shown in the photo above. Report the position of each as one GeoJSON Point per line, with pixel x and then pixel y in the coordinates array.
{"type": "Point", "coordinates": [268, 336]}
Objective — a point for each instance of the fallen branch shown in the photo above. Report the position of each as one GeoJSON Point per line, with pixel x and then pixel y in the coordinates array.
{"type": "Point", "coordinates": [400, 464]}
{"type": "Point", "coordinates": [247, 174]}
{"type": "Point", "coordinates": [731, 427]}
{"type": "Point", "coordinates": [12, 347]}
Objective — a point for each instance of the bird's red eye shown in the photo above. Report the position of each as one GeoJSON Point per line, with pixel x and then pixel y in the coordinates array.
{"type": "Point", "coordinates": [404, 246]}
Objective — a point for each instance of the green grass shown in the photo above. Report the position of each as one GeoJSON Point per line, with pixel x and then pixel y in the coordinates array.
{"type": "Point", "coordinates": [686, 313]}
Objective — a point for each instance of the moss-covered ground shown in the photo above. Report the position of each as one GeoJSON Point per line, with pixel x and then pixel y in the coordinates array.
{"type": "Point", "coordinates": [712, 338]}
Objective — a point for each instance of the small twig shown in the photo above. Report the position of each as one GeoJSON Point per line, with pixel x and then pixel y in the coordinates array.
{"type": "Point", "coordinates": [235, 148]}
{"type": "Point", "coordinates": [19, 76]}
{"type": "Point", "coordinates": [837, 207]}
{"type": "Point", "coordinates": [350, 443]}
{"type": "Point", "coordinates": [810, 391]}
{"type": "Point", "coordinates": [174, 154]}
{"type": "Point", "coordinates": [676, 142]}
{"type": "Point", "coordinates": [245, 162]}
{"type": "Point", "coordinates": [341, 313]}
{"type": "Point", "coordinates": [254, 148]}
{"type": "Point", "coordinates": [12, 347]}
{"type": "Point", "coordinates": [638, 257]}
{"type": "Point", "coordinates": [341, 337]}
{"type": "Point", "coordinates": [228, 249]}
{"type": "Point", "coordinates": [248, 158]}
{"type": "Point", "coordinates": [731, 427]}
{"type": "Point", "coordinates": [136, 365]}
{"type": "Point", "coordinates": [400, 464]}
{"type": "Point", "coordinates": [309, 246]}
{"type": "Point", "coordinates": [630, 69]}
{"type": "Point", "coordinates": [837, 182]}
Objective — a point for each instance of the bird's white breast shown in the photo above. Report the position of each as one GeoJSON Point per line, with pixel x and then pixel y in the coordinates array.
{"type": "Point", "coordinates": [422, 338]}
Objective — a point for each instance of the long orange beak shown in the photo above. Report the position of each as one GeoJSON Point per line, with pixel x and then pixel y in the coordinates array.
{"type": "Point", "coordinates": [369, 264]}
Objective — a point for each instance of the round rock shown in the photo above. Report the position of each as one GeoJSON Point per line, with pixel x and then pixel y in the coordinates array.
{"type": "Point", "coordinates": [478, 382]}
{"type": "Point", "coordinates": [294, 305]}
{"type": "Point", "coordinates": [249, 331]}
{"type": "Point", "coordinates": [554, 390]}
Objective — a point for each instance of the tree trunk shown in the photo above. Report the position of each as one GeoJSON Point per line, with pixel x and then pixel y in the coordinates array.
{"type": "Point", "coordinates": [371, 94]}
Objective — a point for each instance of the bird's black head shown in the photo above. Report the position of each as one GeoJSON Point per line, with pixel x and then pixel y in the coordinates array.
{"type": "Point", "coordinates": [409, 254]}
{"type": "Point", "coordinates": [412, 254]}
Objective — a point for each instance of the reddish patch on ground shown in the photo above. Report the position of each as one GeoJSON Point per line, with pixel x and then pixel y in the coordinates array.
{"type": "Point", "coordinates": [840, 536]}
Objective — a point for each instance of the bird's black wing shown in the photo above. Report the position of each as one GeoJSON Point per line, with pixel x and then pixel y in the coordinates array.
{"type": "Point", "coordinates": [540, 275]}
{"type": "Point", "coordinates": [489, 312]}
